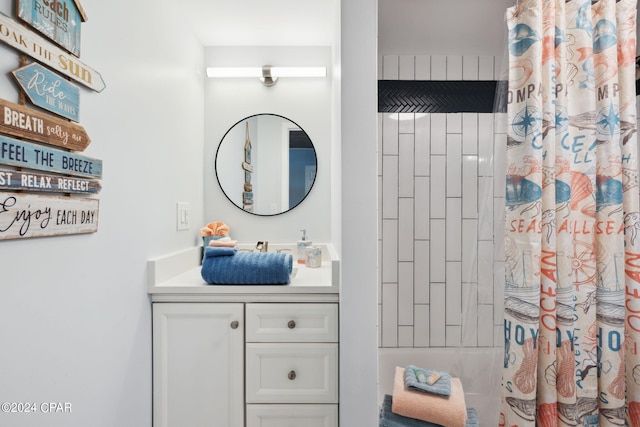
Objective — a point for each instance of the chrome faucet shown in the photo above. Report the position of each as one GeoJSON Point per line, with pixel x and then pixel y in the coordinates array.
{"type": "Point", "coordinates": [262, 246]}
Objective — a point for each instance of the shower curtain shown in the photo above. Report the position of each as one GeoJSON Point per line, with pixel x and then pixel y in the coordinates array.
{"type": "Point", "coordinates": [572, 237]}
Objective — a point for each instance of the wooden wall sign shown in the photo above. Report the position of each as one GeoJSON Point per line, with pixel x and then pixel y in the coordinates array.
{"type": "Point", "coordinates": [59, 20]}
{"type": "Point", "coordinates": [40, 49]}
{"type": "Point", "coordinates": [33, 156]}
{"type": "Point", "coordinates": [25, 215]}
{"type": "Point", "coordinates": [18, 120]}
{"type": "Point", "coordinates": [29, 181]}
{"type": "Point", "coordinates": [48, 90]}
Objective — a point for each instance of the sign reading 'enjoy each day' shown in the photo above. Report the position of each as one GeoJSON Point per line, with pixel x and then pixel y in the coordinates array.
{"type": "Point", "coordinates": [59, 20]}
{"type": "Point", "coordinates": [48, 90]}
{"type": "Point", "coordinates": [29, 215]}
{"type": "Point", "coordinates": [29, 181]}
{"type": "Point", "coordinates": [24, 122]}
{"type": "Point", "coordinates": [18, 37]}
{"type": "Point", "coordinates": [24, 154]}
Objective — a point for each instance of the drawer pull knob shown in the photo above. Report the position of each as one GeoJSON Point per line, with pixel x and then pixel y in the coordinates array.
{"type": "Point", "coordinates": [234, 324]}
{"type": "Point", "coordinates": [292, 375]}
{"type": "Point", "coordinates": [291, 324]}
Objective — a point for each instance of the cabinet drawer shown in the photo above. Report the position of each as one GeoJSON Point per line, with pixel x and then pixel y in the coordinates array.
{"type": "Point", "coordinates": [292, 373]}
{"type": "Point", "coordinates": [292, 415]}
{"type": "Point", "coordinates": [292, 323]}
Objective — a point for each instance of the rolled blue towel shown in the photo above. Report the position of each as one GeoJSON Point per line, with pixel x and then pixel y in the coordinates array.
{"type": "Point", "coordinates": [390, 419]}
{"type": "Point", "coordinates": [220, 267]}
{"type": "Point", "coordinates": [417, 379]}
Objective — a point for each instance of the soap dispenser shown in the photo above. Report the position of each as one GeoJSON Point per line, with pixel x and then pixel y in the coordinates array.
{"type": "Point", "coordinates": [302, 246]}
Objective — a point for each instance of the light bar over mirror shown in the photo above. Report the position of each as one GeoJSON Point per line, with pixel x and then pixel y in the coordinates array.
{"type": "Point", "coordinates": [267, 74]}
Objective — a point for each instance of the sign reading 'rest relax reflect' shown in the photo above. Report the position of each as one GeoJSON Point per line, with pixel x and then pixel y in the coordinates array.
{"type": "Point", "coordinates": [29, 215]}
{"type": "Point", "coordinates": [30, 181]}
{"type": "Point", "coordinates": [32, 156]}
{"type": "Point", "coordinates": [49, 91]}
{"type": "Point", "coordinates": [40, 49]}
{"type": "Point", "coordinates": [59, 20]}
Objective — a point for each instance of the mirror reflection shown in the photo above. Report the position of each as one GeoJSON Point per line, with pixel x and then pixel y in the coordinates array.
{"type": "Point", "coordinates": [266, 164]}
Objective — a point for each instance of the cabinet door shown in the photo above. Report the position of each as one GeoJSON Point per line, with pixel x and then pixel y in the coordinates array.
{"type": "Point", "coordinates": [198, 365]}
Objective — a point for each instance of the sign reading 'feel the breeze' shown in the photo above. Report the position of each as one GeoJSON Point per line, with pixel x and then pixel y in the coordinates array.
{"type": "Point", "coordinates": [23, 154]}
{"type": "Point", "coordinates": [48, 90]}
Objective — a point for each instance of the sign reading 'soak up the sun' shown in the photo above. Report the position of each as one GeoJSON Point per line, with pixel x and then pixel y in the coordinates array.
{"type": "Point", "coordinates": [24, 122]}
{"type": "Point", "coordinates": [29, 181]}
{"type": "Point", "coordinates": [59, 20]}
{"type": "Point", "coordinates": [33, 156]}
{"type": "Point", "coordinates": [48, 90]}
{"type": "Point", "coordinates": [27, 215]}
{"type": "Point", "coordinates": [40, 49]}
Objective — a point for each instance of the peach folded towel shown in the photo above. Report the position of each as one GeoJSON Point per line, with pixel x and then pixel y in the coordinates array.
{"type": "Point", "coordinates": [447, 412]}
{"type": "Point", "coordinates": [223, 243]}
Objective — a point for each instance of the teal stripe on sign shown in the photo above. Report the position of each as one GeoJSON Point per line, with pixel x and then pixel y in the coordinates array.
{"type": "Point", "coordinates": [24, 154]}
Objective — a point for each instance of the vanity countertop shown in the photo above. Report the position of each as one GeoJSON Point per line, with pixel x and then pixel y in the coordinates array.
{"type": "Point", "coordinates": [176, 277]}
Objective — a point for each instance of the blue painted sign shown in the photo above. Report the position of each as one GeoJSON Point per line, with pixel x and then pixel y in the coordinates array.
{"type": "Point", "coordinates": [59, 20]}
{"type": "Point", "coordinates": [40, 49]}
{"type": "Point", "coordinates": [49, 90]}
{"type": "Point", "coordinates": [24, 154]}
{"type": "Point", "coordinates": [30, 181]}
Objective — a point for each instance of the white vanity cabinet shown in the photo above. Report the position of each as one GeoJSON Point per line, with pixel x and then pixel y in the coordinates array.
{"type": "Point", "coordinates": [244, 356]}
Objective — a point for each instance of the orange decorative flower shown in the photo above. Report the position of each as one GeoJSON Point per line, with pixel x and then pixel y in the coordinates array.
{"type": "Point", "coordinates": [216, 228]}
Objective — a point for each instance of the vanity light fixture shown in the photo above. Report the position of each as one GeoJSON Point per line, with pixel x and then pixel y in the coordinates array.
{"type": "Point", "coordinates": [267, 74]}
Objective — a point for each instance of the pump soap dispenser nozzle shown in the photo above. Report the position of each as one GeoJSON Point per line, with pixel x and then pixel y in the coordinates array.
{"type": "Point", "coordinates": [302, 245]}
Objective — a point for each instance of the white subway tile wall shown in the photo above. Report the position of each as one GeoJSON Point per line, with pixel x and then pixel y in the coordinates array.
{"type": "Point", "coordinates": [441, 220]}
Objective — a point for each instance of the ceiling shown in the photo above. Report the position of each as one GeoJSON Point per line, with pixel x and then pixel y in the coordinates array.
{"type": "Point", "coordinates": [263, 22]}
{"type": "Point", "coordinates": [414, 27]}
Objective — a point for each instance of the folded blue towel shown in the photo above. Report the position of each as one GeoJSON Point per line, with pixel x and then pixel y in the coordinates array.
{"type": "Point", "coordinates": [221, 251]}
{"type": "Point", "coordinates": [219, 267]}
{"type": "Point", "coordinates": [416, 379]}
{"type": "Point", "coordinates": [389, 419]}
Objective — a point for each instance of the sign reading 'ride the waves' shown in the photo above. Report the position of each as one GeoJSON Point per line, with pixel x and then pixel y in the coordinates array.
{"type": "Point", "coordinates": [18, 37]}
{"type": "Point", "coordinates": [29, 215]}
{"type": "Point", "coordinates": [59, 20]}
{"type": "Point", "coordinates": [33, 156]}
{"type": "Point", "coordinates": [48, 90]}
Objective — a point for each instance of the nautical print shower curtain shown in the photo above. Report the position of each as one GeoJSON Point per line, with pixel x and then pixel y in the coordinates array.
{"type": "Point", "coordinates": [572, 237]}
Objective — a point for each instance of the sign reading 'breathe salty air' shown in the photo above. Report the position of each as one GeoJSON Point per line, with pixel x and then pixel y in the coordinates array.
{"type": "Point", "coordinates": [24, 122]}
{"type": "Point", "coordinates": [48, 90]}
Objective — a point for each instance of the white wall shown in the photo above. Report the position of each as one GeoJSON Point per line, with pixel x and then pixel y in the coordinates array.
{"type": "Point", "coordinates": [307, 102]}
{"type": "Point", "coordinates": [75, 315]}
{"type": "Point", "coordinates": [358, 354]}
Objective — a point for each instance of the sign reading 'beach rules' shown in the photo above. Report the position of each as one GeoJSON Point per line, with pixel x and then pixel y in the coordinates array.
{"type": "Point", "coordinates": [59, 20]}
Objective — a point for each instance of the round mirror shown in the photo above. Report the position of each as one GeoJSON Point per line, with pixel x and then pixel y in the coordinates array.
{"type": "Point", "coordinates": [266, 164]}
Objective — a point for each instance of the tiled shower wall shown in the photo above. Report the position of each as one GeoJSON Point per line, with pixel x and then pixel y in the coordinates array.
{"type": "Point", "coordinates": [440, 215]}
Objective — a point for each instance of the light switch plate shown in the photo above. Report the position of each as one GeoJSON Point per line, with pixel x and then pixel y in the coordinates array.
{"type": "Point", "coordinates": [182, 216]}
